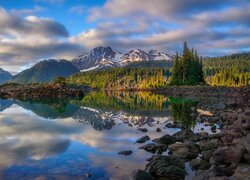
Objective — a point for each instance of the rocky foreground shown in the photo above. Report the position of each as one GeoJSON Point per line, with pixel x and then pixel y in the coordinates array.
{"type": "Point", "coordinates": [224, 154]}
{"type": "Point", "coordinates": [39, 91]}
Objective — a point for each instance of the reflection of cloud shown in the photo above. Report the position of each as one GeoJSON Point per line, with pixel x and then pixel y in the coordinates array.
{"type": "Point", "coordinates": [24, 135]}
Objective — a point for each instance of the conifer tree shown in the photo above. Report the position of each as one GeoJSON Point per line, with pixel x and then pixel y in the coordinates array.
{"type": "Point", "coordinates": [187, 69]}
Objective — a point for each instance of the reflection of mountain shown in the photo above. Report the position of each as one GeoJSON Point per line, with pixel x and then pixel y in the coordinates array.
{"type": "Point", "coordinates": [5, 103]}
{"type": "Point", "coordinates": [97, 119]}
{"type": "Point", "coordinates": [49, 109]}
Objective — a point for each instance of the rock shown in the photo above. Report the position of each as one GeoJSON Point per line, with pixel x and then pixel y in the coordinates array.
{"type": "Point", "coordinates": [199, 164]}
{"type": "Point", "coordinates": [166, 167]}
{"type": "Point", "coordinates": [153, 148]}
{"type": "Point", "coordinates": [186, 150]}
{"type": "Point", "coordinates": [219, 106]}
{"type": "Point", "coordinates": [204, 112]}
{"type": "Point", "coordinates": [226, 160]}
{"type": "Point", "coordinates": [175, 125]}
{"type": "Point", "coordinates": [141, 175]}
{"type": "Point", "coordinates": [186, 135]}
{"type": "Point", "coordinates": [242, 172]}
{"type": "Point", "coordinates": [143, 139]}
{"type": "Point", "coordinates": [158, 130]}
{"type": "Point", "coordinates": [207, 145]}
{"type": "Point", "coordinates": [166, 139]}
{"type": "Point", "coordinates": [206, 155]}
{"type": "Point", "coordinates": [126, 153]}
{"type": "Point", "coordinates": [143, 129]}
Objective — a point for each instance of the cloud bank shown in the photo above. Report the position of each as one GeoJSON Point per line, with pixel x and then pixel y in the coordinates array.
{"type": "Point", "coordinates": [213, 27]}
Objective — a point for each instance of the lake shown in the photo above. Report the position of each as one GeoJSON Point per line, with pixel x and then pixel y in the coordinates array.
{"type": "Point", "coordinates": [81, 139]}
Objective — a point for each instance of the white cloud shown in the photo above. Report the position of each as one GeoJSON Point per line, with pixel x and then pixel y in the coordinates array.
{"type": "Point", "coordinates": [34, 10]}
{"type": "Point", "coordinates": [77, 9]}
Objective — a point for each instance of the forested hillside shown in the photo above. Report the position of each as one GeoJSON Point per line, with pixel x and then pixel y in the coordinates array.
{"type": "Point", "coordinates": [123, 78]}
{"type": "Point", "coordinates": [231, 70]}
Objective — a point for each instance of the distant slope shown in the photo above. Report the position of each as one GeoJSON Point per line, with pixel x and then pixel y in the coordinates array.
{"type": "Point", "coordinates": [151, 64]}
{"type": "Point", "coordinates": [239, 61]}
{"type": "Point", "coordinates": [46, 71]}
{"type": "Point", "coordinates": [4, 76]}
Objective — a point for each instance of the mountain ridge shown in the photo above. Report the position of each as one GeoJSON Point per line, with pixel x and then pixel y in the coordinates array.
{"type": "Point", "coordinates": [105, 57]}
{"type": "Point", "coordinates": [46, 71]}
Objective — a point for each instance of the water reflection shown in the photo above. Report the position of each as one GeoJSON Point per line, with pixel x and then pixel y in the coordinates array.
{"type": "Point", "coordinates": [69, 138]}
{"type": "Point", "coordinates": [181, 111]}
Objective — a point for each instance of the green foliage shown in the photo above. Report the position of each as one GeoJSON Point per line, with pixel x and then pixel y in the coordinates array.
{"type": "Point", "coordinates": [122, 78]}
{"type": "Point", "coordinates": [187, 69]}
{"type": "Point", "coordinates": [60, 80]}
{"type": "Point", "coordinates": [231, 77]}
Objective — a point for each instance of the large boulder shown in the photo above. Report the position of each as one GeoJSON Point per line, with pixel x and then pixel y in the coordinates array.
{"type": "Point", "coordinates": [153, 148]}
{"type": "Point", "coordinates": [143, 139]}
{"type": "Point", "coordinates": [166, 167]}
{"type": "Point", "coordinates": [141, 175]}
{"type": "Point", "coordinates": [166, 139]}
{"type": "Point", "coordinates": [186, 150]}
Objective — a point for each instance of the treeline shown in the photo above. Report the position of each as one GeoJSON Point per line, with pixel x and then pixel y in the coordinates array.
{"type": "Point", "coordinates": [231, 77]}
{"type": "Point", "coordinates": [187, 69]}
{"type": "Point", "coordinates": [214, 65]}
{"type": "Point", "coordinates": [123, 78]}
{"type": "Point", "coordinates": [232, 70]}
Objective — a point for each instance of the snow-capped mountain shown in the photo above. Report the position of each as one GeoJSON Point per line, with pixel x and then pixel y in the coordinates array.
{"type": "Point", "coordinates": [134, 56]}
{"type": "Point", "coordinates": [98, 58]}
{"type": "Point", "coordinates": [4, 76]}
{"type": "Point", "coordinates": [157, 55]}
{"type": "Point", "coordinates": [105, 57]}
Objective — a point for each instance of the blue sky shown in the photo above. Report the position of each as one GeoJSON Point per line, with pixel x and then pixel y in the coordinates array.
{"type": "Point", "coordinates": [33, 30]}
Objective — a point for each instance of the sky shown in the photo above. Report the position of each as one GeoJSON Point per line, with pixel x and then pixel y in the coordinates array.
{"type": "Point", "coordinates": [33, 30]}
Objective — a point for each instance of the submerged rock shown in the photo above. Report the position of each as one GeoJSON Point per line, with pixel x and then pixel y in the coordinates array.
{"type": "Point", "coordinates": [126, 153]}
{"type": "Point", "coordinates": [143, 129]}
{"type": "Point", "coordinates": [166, 167]}
{"type": "Point", "coordinates": [158, 130]}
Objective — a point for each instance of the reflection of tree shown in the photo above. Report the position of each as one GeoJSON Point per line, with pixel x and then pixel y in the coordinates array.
{"type": "Point", "coordinates": [181, 111]}
{"type": "Point", "coordinates": [137, 103]}
{"type": "Point", "coordinates": [5, 103]}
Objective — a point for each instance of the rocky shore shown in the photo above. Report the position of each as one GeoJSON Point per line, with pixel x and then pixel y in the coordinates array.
{"type": "Point", "coordinates": [203, 91]}
{"type": "Point", "coordinates": [39, 91]}
{"type": "Point", "coordinates": [223, 154]}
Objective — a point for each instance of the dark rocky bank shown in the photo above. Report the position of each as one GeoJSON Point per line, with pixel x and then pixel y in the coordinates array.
{"type": "Point", "coordinates": [223, 154]}
{"type": "Point", "coordinates": [39, 91]}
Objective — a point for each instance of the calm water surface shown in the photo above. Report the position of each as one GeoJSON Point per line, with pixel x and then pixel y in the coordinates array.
{"type": "Point", "coordinates": [69, 139]}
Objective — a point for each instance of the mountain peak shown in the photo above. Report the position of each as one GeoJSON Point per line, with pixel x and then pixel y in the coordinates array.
{"type": "Point", "coordinates": [99, 57]}
{"type": "Point", "coordinates": [4, 76]}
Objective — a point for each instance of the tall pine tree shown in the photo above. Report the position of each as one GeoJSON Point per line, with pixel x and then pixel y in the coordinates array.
{"type": "Point", "coordinates": [187, 69]}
